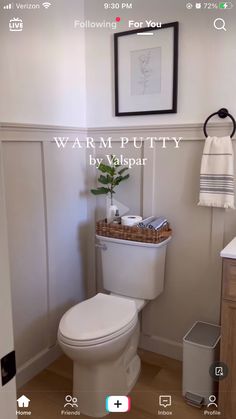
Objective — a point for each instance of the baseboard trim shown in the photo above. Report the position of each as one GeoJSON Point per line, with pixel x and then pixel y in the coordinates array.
{"type": "Point", "coordinates": [162, 346]}
{"type": "Point", "coordinates": [37, 364]}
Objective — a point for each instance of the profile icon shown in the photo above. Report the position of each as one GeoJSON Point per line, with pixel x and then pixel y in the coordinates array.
{"type": "Point", "coordinates": [212, 401]}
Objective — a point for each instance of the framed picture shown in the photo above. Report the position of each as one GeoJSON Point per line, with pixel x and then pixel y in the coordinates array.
{"type": "Point", "coordinates": [146, 70]}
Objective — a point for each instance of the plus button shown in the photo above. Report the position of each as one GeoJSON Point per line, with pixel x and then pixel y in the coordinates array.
{"type": "Point", "coordinates": [118, 404]}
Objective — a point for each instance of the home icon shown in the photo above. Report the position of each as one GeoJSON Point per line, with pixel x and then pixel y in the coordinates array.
{"type": "Point", "coordinates": [23, 401]}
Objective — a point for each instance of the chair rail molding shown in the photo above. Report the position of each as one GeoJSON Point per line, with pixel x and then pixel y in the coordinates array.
{"type": "Point", "coordinates": [36, 132]}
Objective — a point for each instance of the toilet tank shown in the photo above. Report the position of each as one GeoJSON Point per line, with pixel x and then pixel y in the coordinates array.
{"type": "Point", "coordinates": [133, 269]}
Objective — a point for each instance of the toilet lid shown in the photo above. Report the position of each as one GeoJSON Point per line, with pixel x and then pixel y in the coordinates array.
{"type": "Point", "coordinates": [97, 317]}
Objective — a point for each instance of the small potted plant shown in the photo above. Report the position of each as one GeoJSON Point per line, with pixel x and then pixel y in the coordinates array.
{"type": "Point", "coordinates": [110, 178]}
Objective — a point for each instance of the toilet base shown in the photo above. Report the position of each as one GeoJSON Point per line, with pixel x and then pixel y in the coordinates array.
{"type": "Point", "coordinates": [111, 380]}
{"type": "Point", "coordinates": [93, 383]}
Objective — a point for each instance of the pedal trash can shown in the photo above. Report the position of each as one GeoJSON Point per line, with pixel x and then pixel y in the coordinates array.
{"type": "Point", "coordinates": [200, 351]}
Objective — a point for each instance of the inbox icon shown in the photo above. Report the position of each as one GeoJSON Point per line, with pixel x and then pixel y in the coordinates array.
{"type": "Point", "coordinates": [165, 401]}
{"type": "Point", "coordinates": [118, 404]}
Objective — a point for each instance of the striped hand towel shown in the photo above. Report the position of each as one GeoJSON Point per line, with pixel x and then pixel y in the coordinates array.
{"type": "Point", "coordinates": [217, 173]}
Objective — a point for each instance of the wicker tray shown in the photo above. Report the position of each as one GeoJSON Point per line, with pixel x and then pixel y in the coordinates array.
{"type": "Point", "coordinates": [145, 235]}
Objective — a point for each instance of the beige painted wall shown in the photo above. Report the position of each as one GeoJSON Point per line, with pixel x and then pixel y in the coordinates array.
{"type": "Point", "coordinates": [8, 391]}
{"type": "Point", "coordinates": [192, 283]}
{"type": "Point", "coordinates": [47, 219]}
{"type": "Point", "coordinates": [170, 187]}
{"type": "Point", "coordinates": [50, 214]}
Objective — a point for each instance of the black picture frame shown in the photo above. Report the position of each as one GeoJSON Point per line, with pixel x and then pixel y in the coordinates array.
{"type": "Point", "coordinates": [173, 109]}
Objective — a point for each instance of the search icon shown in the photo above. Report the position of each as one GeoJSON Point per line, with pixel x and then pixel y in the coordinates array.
{"type": "Point", "coordinates": [219, 24]}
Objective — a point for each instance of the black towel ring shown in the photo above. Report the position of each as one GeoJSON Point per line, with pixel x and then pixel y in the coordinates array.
{"type": "Point", "coordinates": [222, 113]}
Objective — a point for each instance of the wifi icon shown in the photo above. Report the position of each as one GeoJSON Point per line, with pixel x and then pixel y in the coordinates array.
{"type": "Point", "coordinates": [46, 5]}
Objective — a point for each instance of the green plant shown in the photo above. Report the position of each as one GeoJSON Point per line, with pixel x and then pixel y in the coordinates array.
{"type": "Point", "coordinates": [111, 178]}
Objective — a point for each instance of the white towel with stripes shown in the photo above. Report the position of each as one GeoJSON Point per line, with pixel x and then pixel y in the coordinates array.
{"type": "Point", "coordinates": [217, 173]}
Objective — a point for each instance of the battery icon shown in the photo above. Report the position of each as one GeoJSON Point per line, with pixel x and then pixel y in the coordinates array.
{"type": "Point", "coordinates": [226, 5]}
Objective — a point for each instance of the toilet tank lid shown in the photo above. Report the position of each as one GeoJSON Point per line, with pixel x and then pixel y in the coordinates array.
{"type": "Point", "coordinates": [97, 317]}
{"type": "Point", "coordinates": [131, 242]}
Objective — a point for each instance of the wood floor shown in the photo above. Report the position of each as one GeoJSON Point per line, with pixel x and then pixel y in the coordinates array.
{"type": "Point", "coordinates": [159, 375]}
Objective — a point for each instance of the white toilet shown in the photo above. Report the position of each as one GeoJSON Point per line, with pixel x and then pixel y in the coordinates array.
{"type": "Point", "coordinates": [101, 334]}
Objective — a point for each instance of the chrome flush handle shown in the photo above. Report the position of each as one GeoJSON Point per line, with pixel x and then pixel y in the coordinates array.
{"type": "Point", "coordinates": [101, 246]}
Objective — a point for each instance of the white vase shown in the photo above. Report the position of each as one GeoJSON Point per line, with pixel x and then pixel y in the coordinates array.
{"type": "Point", "coordinates": [110, 210]}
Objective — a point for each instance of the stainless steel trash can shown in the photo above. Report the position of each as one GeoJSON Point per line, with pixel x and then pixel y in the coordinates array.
{"type": "Point", "coordinates": [200, 351]}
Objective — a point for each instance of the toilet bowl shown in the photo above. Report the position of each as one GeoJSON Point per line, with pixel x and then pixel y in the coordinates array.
{"type": "Point", "coordinates": [101, 336]}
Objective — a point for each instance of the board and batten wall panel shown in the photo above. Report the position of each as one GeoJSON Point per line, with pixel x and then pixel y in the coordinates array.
{"type": "Point", "coordinates": [47, 221]}
{"type": "Point", "coordinates": [7, 391]}
{"type": "Point", "coordinates": [230, 215]}
{"type": "Point", "coordinates": [65, 180]}
{"type": "Point", "coordinates": [27, 247]}
{"type": "Point", "coordinates": [170, 187]}
{"type": "Point", "coordinates": [193, 265]}
{"type": "Point", "coordinates": [60, 212]}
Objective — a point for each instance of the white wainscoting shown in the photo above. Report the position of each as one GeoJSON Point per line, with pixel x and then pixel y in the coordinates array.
{"type": "Point", "coordinates": [48, 225]}
{"type": "Point", "coordinates": [51, 232]}
{"type": "Point", "coordinates": [169, 185]}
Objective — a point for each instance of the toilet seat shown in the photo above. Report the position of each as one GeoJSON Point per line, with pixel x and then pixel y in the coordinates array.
{"type": "Point", "coordinates": [97, 320]}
